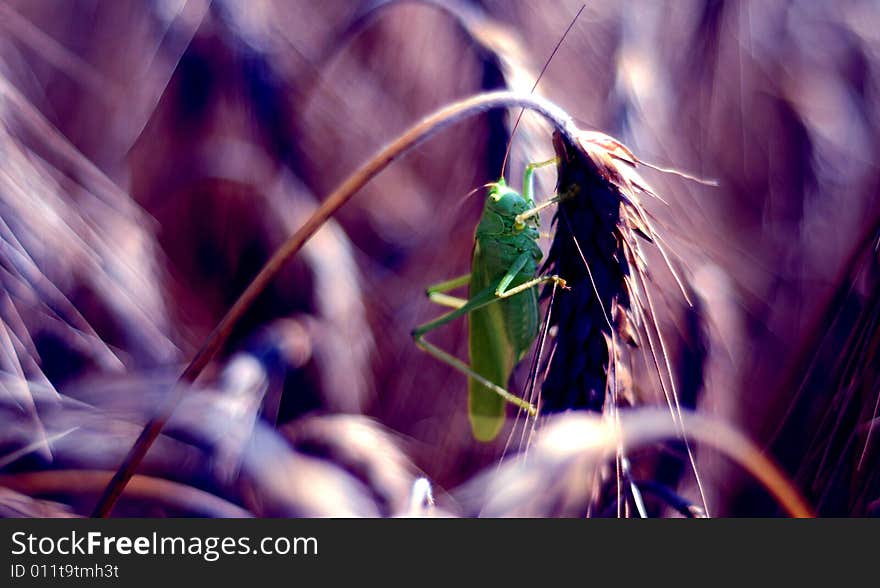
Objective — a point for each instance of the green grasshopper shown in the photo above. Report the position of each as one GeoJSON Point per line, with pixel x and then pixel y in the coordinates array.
{"type": "Point", "coordinates": [502, 308]}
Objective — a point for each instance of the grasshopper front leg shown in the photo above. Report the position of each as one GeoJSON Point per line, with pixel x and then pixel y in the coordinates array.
{"type": "Point", "coordinates": [437, 292]}
{"type": "Point", "coordinates": [482, 299]}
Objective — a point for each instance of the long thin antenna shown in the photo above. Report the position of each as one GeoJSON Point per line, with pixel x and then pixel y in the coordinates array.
{"type": "Point", "coordinates": [535, 85]}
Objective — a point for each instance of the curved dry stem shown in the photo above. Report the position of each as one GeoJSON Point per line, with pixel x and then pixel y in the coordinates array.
{"type": "Point", "coordinates": [736, 446]}
{"type": "Point", "coordinates": [418, 133]}
{"type": "Point", "coordinates": [157, 490]}
{"type": "Point", "coordinates": [593, 435]}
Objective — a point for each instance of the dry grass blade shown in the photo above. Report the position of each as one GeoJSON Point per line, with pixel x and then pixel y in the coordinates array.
{"type": "Point", "coordinates": [556, 477]}
{"type": "Point", "coordinates": [216, 443]}
{"type": "Point", "coordinates": [52, 51]}
{"type": "Point", "coordinates": [366, 451]}
{"type": "Point", "coordinates": [839, 404]}
{"type": "Point", "coordinates": [16, 505]}
{"type": "Point", "coordinates": [175, 496]}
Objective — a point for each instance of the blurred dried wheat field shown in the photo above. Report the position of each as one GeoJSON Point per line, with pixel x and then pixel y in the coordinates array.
{"type": "Point", "coordinates": [154, 154]}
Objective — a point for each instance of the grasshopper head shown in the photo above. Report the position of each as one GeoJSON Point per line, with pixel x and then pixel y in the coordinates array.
{"type": "Point", "coordinates": [503, 205]}
{"type": "Point", "coordinates": [505, 201]}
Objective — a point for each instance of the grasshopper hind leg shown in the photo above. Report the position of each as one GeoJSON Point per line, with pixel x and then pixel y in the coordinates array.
{"type": "Point", "coordinates": [486, 429]}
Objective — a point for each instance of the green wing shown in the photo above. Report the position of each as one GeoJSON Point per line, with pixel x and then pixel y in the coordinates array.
{"type": "Point", "coordinates": [491, 355]}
